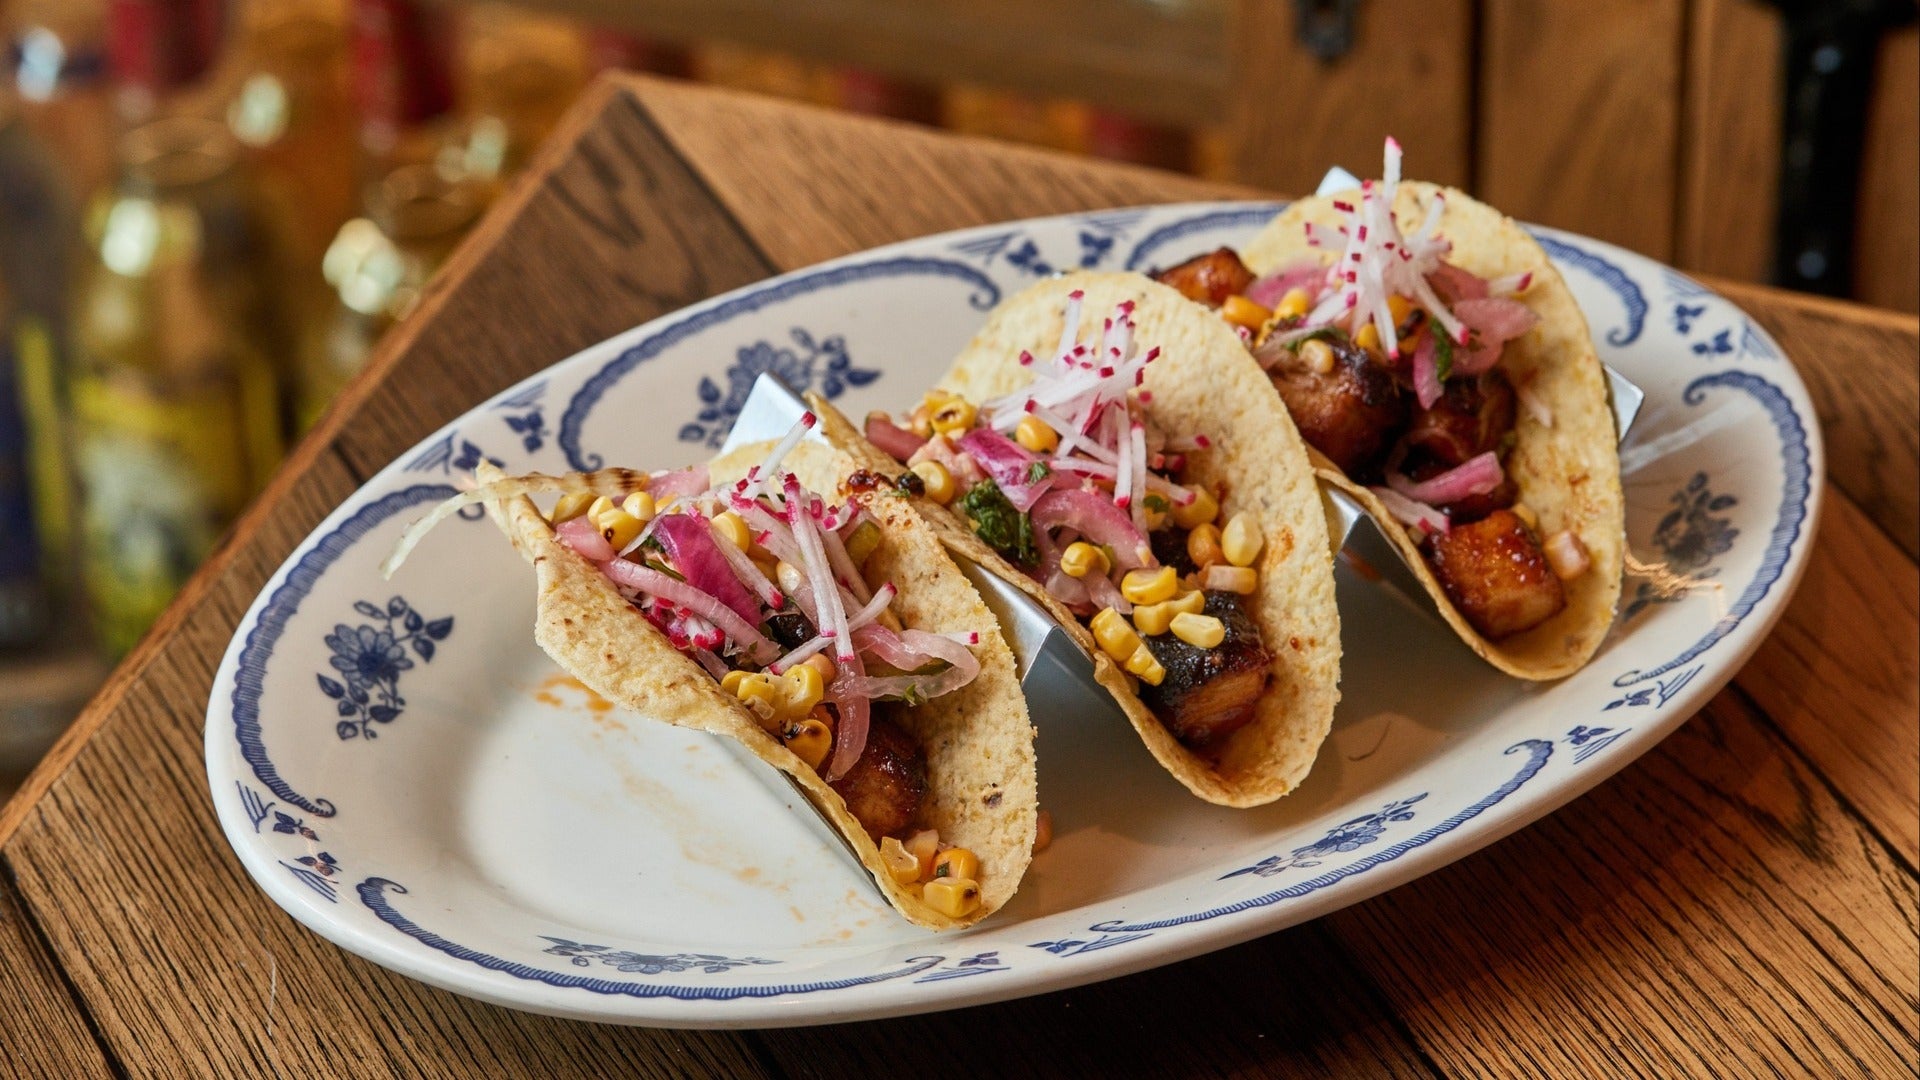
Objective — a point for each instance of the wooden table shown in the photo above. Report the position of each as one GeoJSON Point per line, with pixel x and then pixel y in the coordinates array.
{"type": "Point", "coordinates": [1749, 908]}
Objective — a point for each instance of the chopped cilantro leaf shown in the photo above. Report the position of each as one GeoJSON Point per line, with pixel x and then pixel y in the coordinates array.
{"type": "Point", "coordinates": [1157, 503]}
{"type": "Point", "coordinates": [1442, 354]}
{"type": "Point", "coordinates": [1037, 472]}
{"type": "Point", "coordinates": [995, 521]}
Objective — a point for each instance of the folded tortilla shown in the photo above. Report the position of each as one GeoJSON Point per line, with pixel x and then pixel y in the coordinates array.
{"type": "Point", "coordinates": [1203, 381]}
{"type": "Point", "coordinates": [1568, 474]}
{"type": "Point", "coordinates": [978, 744]}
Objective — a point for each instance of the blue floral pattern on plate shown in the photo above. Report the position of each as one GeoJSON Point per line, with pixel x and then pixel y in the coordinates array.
{"type": "Point", "coordinates": [821, 365]}
{"type": "Point", "coordinates": [370, 659]}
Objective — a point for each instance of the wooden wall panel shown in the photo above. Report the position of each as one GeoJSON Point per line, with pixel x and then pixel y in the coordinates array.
{"type": "Point", "coordinates": [1730, 139]}
{"type": "Point", "coordinates": [1579, 116]}
{"type": "Point", "coordinates": [1888, 270]}
{"type": "Point", "coordinates": [1409, 74]}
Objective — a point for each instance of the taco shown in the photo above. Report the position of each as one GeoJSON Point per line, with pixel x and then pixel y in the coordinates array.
{"type": "Point", "coordinates": [1109, 448]}
{"type": "Point", "coordinates": [819, 623]}
{"type": "Point", "coordinates": [1441, 371]}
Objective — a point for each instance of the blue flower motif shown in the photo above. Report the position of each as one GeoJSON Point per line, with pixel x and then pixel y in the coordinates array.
{"type": "Point", "coordinates": [823, 365]}
{"type": "Point", "coordinates": [366, 656]}
{"type": "Point", "coordinates": [1691, 535]}
{"type": "Point", "coordinates": [370, 658]}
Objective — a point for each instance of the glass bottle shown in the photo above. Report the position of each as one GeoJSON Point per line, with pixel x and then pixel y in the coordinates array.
{"type": "Point", "coordinates": [176, 408]}
{"type": "Point", "coordinates": [518, 72]}
{"type": "Point", "coordinates": [291, 109]}
{"type": "Point", "coordinates": [378, 266]}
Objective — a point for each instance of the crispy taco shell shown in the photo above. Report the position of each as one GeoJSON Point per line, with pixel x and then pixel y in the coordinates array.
{"type": "Point", "coordinates": [1204, 381]}
{"type": "Point", "coordinates": [978, 744]}
{"type": "Point", "coordinates": [1569, 473]}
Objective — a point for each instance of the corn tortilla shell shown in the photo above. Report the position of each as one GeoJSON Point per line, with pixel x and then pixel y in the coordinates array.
{"type": "Point", "coordinates": [1203, 381]}
{"type": "Point", "coordinates": [981, 787]}
{"type": "Point", "coordinates": [1568, 474]}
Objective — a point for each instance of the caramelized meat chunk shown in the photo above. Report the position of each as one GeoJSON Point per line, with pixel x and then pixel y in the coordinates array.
{"type": "Point", "coordinates": [1495, 573]}
{"type": "Point", "coordinates": [790, 629]}
{"type": "Point", "coordinates": [884, 788]}
{"type": "Point", "coordinates": [1209, 694]}
{"type": "Point", "coordinates": [1349, 414]}
{"type": "Point", "coordinates": [1472, 417]}
{"type": "Point", "coordinates": [1209, 279]}
{"type": "Point", "coordinates": [1170, 549]}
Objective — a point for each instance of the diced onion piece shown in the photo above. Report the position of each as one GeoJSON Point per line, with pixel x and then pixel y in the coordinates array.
{"type": "Point", "coordinates": [1411, 513]}
{"type": "Point", "coordinates": [1567, 555]}
{"type": "Point", "coordinates": [1477, 476]}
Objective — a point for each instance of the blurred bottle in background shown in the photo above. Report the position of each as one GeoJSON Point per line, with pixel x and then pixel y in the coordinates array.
{"type": "Point", "coordinates": [517, 74]}
{"type": "Point", "coordinates": [291, 109]}
{"type": "Point", "coordinates": [57, 62]}
{"type": "Point", "coordinates": [176, 407]}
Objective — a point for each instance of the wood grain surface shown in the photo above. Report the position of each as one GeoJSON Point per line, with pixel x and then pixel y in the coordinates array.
{"type": "Point", "coordinates": [1579, 116]}
{"type": "Point", "coordinates": [1740, 901]}
{"type": "Point", "coordinates": [1409, 74]}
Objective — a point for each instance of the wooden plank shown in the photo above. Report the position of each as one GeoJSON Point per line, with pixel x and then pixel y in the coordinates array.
{"type": "Point", "coordinates": [1711, 911]}
{"type": "Point", "coordinates": [642, 239]}
{"type": "Point", "coordinates": [1888, 243]}
{"type": "Point", "coordinates": [34, 998]}
{"type": "Point", "coordinates": [1290, 116]}
{"type": "Point", "coordinates": [874, 181]}
{"type": "Point", "coordinates": [1157, 61]}
{"type": "Point", "coordinates": [1579, 116]}
{"type": "Point", "coordinates": [1285, 1005]}
{"type": "Point", "coordinates": [1730, 142]}
{"type": "Point", "coordinates": [1847, 698]}
{"type": "Point", "coordinates": [1862, 368]}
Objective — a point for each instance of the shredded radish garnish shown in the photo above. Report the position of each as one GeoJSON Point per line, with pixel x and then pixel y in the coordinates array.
{"type": "Point", "coordinates": [647, 580]}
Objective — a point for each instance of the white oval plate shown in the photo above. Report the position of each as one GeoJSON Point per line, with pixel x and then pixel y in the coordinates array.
{"type": "Point", "coordinates": [403, 771]}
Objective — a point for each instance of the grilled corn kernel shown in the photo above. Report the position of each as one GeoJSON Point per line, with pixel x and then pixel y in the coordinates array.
{"type": "Point", "coordinates": [1143, 664]}
{"type": "Point", "coordinates": [1034, 434]}
{"type": "Point", "coordinates": [789, 577]}
{"type": "Point", "coordinates": [925, 846]}
{"type": "Point", "coordinates": [954, 416]}
{"type": "Point", "coordinates": [824, 664]}
{"type": "Point", "coordinates": [1241, 540]}
{"type": "Point", "coordinates": [1202, 509]}
{"type": "Point", "coordinates": [810, 740]}
{"type": "Point", "coordinates": [1526, 515]}
{"type": "Point", "coordinates": [1150, 586]}
{"type": "Point", "coordinates": [803, 688]}
{"type": "Point", "coordinates": [1318, 356]}
{"type": "Point", "coordinates": [1115, 636]}
{"type": "Point", "coordinates": [862, 541]}
{"type": "Point", "coordinates": [900, 862]}
{"type": "Point", "coordinates": [1294, 303]}
{"type": "Point", "coordinates": [1082, 558]}
{"type": "Point", "coordinates": [1199, 631]}
{"type": "Point", "coordinates": [1399, 307]}
{"type": "Point", "coordinates": [618, 526]}
{"type": "Point", "coordinates": [1233, 579]}
{"type": "Point", "coordinates": [956, 863]}
{"type": "Point", "coordinates": [938, 480]}
{"type": "Point", "coordinates": [1042, 832]}
{"type": "Point", "coordinates": [952, 897]}
{"type": "Point", "coordinates": [734, 528]}
{"type": "Point", "coordinates": [640, 505]}
{"type": "Point", "coordinates": [1203, 546]}
{"type": "Point", "coordinates": [1241, 311]}
{"type": "Point", "coordinates": [758, 693]}
{"type": "Point", "coordinates": [1152, 619]}
{"type": "Point", "coordinates": [730, 682]}
{"type": "Point", "coordinates": [572, 505]}
{"type": "Point", "coordinates": [920, 421]}
{"type": "Point", "coordinates": [1368, 338]}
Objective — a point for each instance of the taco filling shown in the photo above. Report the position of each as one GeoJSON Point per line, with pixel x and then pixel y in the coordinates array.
{"type": "Point", "coordinates": [1389, 361]}
{"type": "Point", "coordinates": [1071, 481]}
